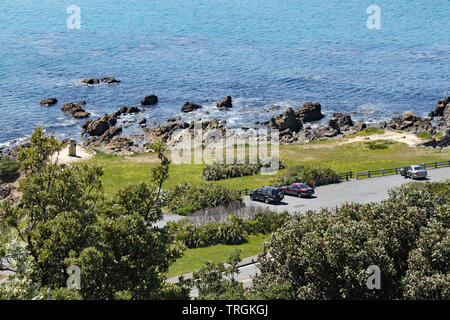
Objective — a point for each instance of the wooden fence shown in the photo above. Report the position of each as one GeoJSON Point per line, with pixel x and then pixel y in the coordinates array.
{"type": "Point", "coordinates": [386, 172]}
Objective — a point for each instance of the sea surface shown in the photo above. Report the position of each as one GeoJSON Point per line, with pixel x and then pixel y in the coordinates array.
{"type": "Point", "coordinates": [261, 52]}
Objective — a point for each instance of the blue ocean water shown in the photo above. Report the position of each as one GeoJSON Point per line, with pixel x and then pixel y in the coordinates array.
{"type": "Point", "coordinates": [261, 52]}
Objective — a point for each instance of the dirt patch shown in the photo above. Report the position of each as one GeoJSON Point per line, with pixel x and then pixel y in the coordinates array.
{"type": "Point", "coordinates": [410, 139]}
{"type": "Point", "coordinates": [64, 158]}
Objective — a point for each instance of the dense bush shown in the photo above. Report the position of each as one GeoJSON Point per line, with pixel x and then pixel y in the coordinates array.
{"type": "Point", "coordinates": [378, 145]}
{"type": "Point", "coordinates": [326, 254]}
{"type": "Point", "coordinates": [232, 231]}
{"type": "Point", "coordinates": [187, 198]}
{"type": "Point", "coordinates": [196, 236]}
{"type": "Point", "coordinates": [9, 169]}
{"type": "Point", "coordinates": [313, 176]}
{"type": "Point", "coordinates": [216, 171]}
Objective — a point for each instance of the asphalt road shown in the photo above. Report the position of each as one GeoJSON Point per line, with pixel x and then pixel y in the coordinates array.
{"type": "Point", "coordinates": [362, 191]}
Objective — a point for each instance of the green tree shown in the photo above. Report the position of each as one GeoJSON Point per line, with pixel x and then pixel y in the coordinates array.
{"type": "Point", "coordinates": [325, 255]}
{"type": "Point", "coordinates": [64, 219]}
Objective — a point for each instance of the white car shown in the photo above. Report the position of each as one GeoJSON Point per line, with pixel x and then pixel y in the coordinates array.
{"type": "Point", "coordinates": [414, 172]}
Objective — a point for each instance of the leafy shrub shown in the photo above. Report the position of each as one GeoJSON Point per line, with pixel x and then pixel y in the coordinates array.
{"type": "Point", "coordinates": [313, 176]}
{"type": "Point", "coordinates": [9, 169]}
{"type": "Point", "coordinates": [325, 254]}
{"type": "Point", "coordinates": [216, 171]}
{"type": "Point", "coordinates": [378, 145]}
{"type": "Point", "coordinates": [424, 135]}
{"type": "Point", "coordinates": [187, 198]}
{"type": "Point", "coordinates": [196, 236]}
{"type": "Point", "coordinates": [232, 231]}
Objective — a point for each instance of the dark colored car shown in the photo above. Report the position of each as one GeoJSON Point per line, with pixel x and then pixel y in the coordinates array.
{"type": "Point", "coordinates": [268, 194]}
{"type": "Point", "coordinates": [414, 172]}
{"type": "Point", "coordinates": [298, 189]}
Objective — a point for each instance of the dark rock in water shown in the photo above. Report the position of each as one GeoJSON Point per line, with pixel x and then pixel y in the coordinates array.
{"type": "Point", "coordinates": [48, 102]}
{"type": "Point", "coordinates": [149, 100]}
{"type": "Point", "coordinates": [110, 80]}
{"type": "Point", "coordinates": [310, 111]}
{"type": "Point", "coordinates": [99, 126]}
{"type": "Point", "coordinates": [190, 106]}
{"type": "Point", "coordinates": [134, 110]}
{"type": "Point", "coordinates": [126, 110]}
{"type": "Point", "coordinates": [225, 103]}
{"type": "Point", "coordinates": [90, 81]}
{"type": "Point", "coordinates": [142, 121]}
{"type": "Point", "coordinates": [441, 106]}
{"type": "Point", "coordinates": [286, 120]}
{"type": "Point", "coordinates": [174, 119]}
{"type": "Point", "coordinates": [121, 111]}
{"type": "Point", "coordinates": [274, 108]}
{"type": "Point", "coordinates": [75, 110]}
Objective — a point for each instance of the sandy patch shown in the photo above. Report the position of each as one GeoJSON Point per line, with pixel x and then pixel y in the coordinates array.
{"type": "Point", "coordinates": [410, 139]}
{"type": "Point", "coordinates": [82, 154]}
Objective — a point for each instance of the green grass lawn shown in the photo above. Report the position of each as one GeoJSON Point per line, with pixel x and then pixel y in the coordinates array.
{"type": "Point", "coordinates": [194, 259]}
{"type": "Point", "coordinates": [341, 157]}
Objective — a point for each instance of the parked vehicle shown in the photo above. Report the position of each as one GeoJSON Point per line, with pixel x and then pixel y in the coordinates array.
{"type": "Point", "coordinates": [298, 189]}
{"type": "Point", "coordinates": [268, 194]}
{"type": "Point", "coordinates": [414, 172]}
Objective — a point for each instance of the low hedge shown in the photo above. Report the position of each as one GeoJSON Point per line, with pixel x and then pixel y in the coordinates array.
{"type": "Point", "coordinates": [313, 176]}
{"type": "Point", "coordinates": [233, 231]}
{"type": "Point", "coordinates": [187, 198]}
{"type": "Point", "coordinates": [216, 171]}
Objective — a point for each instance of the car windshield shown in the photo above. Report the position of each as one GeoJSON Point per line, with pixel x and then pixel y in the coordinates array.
{"type": "Point", "coordinates": [304, 186]}
{"type": "Point", "coordinates": [417, 168]}
{"type": "Point", "coordinates": [275, 191]}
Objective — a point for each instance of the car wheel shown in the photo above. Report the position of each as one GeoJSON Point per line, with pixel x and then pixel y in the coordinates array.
{"type": "Point", "coordinates": [299, 194]}
{"type": "Point", "coordinates": [266, 201]}
{"type": "Point", "coordinates": [251, 198]}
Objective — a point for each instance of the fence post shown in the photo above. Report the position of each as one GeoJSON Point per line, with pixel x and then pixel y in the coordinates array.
{"type": "Point", "coordinates": [368, 173]}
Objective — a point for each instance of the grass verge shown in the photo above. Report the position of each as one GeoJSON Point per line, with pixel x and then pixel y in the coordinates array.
{"type": "Point", "coordinates": [194, 259]}
{"type": "Point", "coordinates": [356, 156]}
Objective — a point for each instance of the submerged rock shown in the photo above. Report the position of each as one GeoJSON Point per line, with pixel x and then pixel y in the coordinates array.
{"type": "Point", "coordinates": [90, 81]}
{"type": "Point", "coordinates": [190, 106]}
{"type": "Point", "coordinates": [149, 100]}
{"type": "Point", "coordinates": [110, 80]}
{"type": "Point", "coordinates": [48, 102]}
{"type": "Point", "coordinates": [75, 109]}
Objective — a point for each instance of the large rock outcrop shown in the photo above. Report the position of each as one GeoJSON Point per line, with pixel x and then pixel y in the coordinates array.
{"type": "Point", "coordinates": [310, 111]}
{"type": "Point", "coordinates": [410, 122]}
{"type": "Point", "coordinates": [99, 126]}
{"type": "Point", "coordinates": [286, 121]}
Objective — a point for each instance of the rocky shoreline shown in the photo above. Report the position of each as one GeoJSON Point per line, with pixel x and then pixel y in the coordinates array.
{"type": "Point", "coordinates": [103, 134]}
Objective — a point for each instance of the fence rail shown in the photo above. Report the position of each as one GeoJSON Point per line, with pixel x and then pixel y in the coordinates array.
{"type": "Point", "coordinates": [346, 176]}
{"type": "Point", "coordinates": [386, 172]}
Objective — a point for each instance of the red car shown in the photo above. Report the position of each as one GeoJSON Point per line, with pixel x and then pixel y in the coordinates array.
{"type": "Point", "coordinates": [298, 189]}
